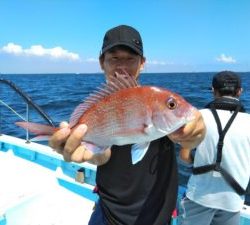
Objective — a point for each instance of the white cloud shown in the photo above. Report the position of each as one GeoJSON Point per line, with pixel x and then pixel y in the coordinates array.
{"type": "Point", "coordinates": [39, 51]}
{"type": "Point", "coordinates": [12, 49]}
{"type": "Point", "coordinates": [225, 59]}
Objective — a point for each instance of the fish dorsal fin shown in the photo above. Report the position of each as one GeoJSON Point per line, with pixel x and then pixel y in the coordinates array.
{"type": "Point", "coordinates": [114, 84]}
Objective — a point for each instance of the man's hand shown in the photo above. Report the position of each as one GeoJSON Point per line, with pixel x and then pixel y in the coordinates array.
{"type": "Point", "coordinates": [69, 144]}
{"type": "Point", "coordinates": [190, 135]}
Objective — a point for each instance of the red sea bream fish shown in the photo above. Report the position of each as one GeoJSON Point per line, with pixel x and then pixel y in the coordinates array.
{"type": "Point", "coordinates": [122, 112]}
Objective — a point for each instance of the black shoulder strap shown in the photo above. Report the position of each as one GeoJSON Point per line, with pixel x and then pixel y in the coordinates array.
{"type": "Point", "coordinates": [223, 132]}
{"type": "Point", "coordinates": [216, 166]}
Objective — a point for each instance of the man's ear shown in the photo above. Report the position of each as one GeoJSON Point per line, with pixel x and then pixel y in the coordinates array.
{"type": "Point", "coordinates": [142, 63]}
{"type": "Point", "coordinates": [215, 92]}
{"type": "Point", "coordinates": [239, 92]}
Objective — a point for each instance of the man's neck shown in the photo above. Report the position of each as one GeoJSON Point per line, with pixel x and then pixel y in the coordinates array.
{"type": "Point", "coordinates": [227, 96]}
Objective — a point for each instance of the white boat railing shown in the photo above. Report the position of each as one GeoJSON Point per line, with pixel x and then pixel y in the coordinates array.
{"type": "Point", "coordinates": [29, 103]}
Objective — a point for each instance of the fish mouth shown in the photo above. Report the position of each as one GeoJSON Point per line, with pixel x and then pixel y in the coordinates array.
{"type": "Point", "coordinates": [182, 123]}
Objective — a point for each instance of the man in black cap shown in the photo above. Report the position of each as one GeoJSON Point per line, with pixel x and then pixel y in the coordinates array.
{"type": "Point", "coordinates": [221, 170]}
{"type": "Point", "coordinates": [130, 194]}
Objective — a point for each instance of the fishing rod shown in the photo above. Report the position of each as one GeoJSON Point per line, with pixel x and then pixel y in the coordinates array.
{"type": "Point", "coordinates": [28, 100]}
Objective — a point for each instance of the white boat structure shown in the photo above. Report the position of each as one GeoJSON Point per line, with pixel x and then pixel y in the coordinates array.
{"type": "Point", "coordinates": [39, 188]}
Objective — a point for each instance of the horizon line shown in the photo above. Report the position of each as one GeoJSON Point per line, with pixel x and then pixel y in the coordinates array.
{"type": "Point", "coordinates": [72, 73]}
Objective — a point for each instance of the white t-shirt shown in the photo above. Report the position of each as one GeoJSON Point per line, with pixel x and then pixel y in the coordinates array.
{"type": "Point", "coordinates": [210, 189]}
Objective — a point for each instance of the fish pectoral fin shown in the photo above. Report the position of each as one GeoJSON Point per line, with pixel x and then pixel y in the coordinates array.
{"type": "Point", "coordinates": [93, 148]}
{"type": "Point", "coordinates": [138, 151]}
{"type": "Point", "coordinates": [149, 129]}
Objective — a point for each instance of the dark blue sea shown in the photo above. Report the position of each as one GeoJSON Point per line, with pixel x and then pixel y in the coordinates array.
{"type": "Point", "coordinates": [59, 94]}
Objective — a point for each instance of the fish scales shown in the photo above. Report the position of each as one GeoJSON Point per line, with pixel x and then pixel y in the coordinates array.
{"type": "Point", "coordinates": [120, 114]}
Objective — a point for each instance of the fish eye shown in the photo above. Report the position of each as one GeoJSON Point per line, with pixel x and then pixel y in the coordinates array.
{"type": "Point", "coordinates": [171, 103]}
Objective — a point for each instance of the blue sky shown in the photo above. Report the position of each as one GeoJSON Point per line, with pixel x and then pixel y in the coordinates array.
{"type": "Point", "coordinates": [65, 36]}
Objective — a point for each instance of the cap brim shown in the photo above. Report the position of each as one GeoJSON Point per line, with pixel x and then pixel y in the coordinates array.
{"type": "Point", "coordinates": [123, 44]}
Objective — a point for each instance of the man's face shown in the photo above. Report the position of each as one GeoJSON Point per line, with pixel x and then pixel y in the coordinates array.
{"type": "Point", "coordinates": [120, 60]}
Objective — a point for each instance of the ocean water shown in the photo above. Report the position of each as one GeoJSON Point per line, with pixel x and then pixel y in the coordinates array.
{"type": "Point", "coordinates": [59, 94]}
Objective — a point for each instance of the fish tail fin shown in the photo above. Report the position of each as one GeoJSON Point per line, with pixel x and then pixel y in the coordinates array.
{"type": "Point", "coordinates": [40, 138]}
{"type": "Point", "coordinates": [38, 129]}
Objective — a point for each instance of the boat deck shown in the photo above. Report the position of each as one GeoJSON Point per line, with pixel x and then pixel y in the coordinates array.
{"type": "Point", "coordinates": [32, 194]}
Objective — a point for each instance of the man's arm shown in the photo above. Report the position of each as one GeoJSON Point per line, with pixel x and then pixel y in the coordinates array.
{"type": "Point", "coordinates": [186, 155]}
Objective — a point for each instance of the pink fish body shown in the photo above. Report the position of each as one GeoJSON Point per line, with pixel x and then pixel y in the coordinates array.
{"type": "Point", "coordinates": [124, 113]}
{"type": "Point", "coordinates": [135, 115]}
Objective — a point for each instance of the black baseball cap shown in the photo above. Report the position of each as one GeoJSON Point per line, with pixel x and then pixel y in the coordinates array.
{"type": "Point", "coordinates": [123, 35]}
{"type": "Point", "coordinates": [226, 80]}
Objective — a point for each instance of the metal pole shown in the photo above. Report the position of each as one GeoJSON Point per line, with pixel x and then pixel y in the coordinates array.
{"type": "Point", "coordinates": [0, 120]}
{"type": "Point", "coordinates": [27, 119]}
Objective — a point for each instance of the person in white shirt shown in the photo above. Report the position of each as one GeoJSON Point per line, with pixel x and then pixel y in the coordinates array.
{"type": "Point", "coordinates": [221, 168]}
